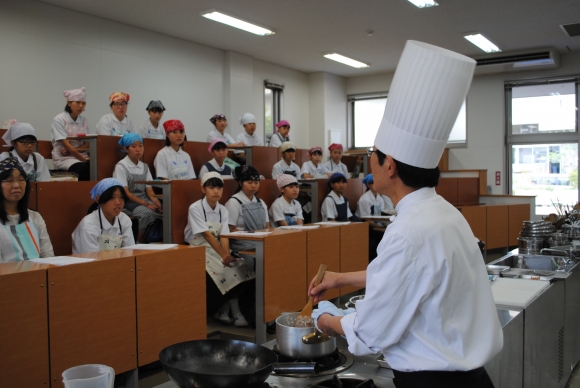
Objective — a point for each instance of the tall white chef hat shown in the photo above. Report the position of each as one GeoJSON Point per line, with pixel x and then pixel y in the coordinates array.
{"type": "Point", "coordinates": [427, 92]}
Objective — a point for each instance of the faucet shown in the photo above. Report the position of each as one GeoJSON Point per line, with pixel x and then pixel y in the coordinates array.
{"type": "Point", "coordinates": [520, 263]}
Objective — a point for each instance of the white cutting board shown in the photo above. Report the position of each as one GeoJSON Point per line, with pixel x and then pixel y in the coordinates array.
{"type": "Point", "coordinates": [516, 292]}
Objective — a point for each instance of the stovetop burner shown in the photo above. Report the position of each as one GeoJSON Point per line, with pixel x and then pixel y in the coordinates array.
{"type": "Point", "coordinates": [331, 364]}
{"type": "Point", "coordinates": [337, 382]}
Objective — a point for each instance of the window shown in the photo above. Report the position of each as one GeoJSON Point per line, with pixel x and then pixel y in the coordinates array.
{"type": "Point", "coordinates": [542, 133]}
{"type": "Point", "coordinates": [272, 107]}
{"type": "Point", "coordinates": [367, 112]}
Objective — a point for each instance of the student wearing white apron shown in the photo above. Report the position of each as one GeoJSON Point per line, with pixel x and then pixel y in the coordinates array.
{"type": "Point", "coordinates": [152, 128]}
{"type": "Point", "coordinates": [371, 203]}
{"type": "Point", "coordinates": [286, 210]}
{"type": "Point", "coordinates": [23, 234]}
{"type": "Point", "coordinates": [281, 135]}
{"type": "Point", "coordinates": [71, 155]}
{"type": "Point", "coordinates": [248, 135]}
{"type": "Point", "coordinates": [172, 162]}
{"type": "Point", "coordinates": [117, 123]}
{"type": "Point", "coordinates": [314, 167]}
{"type": "Point", "coordinates": [21, 138]}
{"type": "Point", "coordinates": [227, 275]}
{"type": "Point", "coordinates": [334, 164]}
{"type": "Point", "coordinates": [335, 205]}
{"type": "Point", "coordinates": [246, 210]}
{"type": "Point", "coordinates": [106, 227]}
{"type": "Point", "coordinates": [286, 165]}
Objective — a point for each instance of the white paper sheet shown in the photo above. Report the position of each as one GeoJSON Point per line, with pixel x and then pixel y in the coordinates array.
{"type": "Point", "coordinates": [62, 260]}
{"type": "Point", "coordinates": [154, 247]}
{"type": "Point", "coordinates": [245, 233]}
{"type": "Point", "coordinates": [299, 227]}
{"type": "Point", "coordinates": [332, 223]}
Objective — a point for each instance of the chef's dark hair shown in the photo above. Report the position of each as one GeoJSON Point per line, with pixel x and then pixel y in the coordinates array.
{"type": "Point", "coordinates": [22, 206]}
{"type": "Point", "coordinates": [411, 176]}
{"type": "Point", "coordinates": [107, 196]}
{"type": "Point", "coordinates": [214, 182]}
{"type": "Point", "coordinates": [182, 145]}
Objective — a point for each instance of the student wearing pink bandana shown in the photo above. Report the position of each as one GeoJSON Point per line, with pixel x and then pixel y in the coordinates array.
{"type": "Point", "coordinates": [334, 164]}
{"type": "Point", "coordinates": [117, 123]}
{"type": "Point", "coordinates": [314, 167]}
{"type": "Point", "coordinates": [172, 162]}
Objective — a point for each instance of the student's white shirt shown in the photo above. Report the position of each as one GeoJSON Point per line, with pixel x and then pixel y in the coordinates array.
{"type": "Point", "coordinates": [196, 222]}
{"type": "Point", "coordinates": [280, 167]}
{"type": "Point", "coordinates": [280, 207]}
{"type": "Point", "coordinates": [173, 165]}
{"type": "Point", "coordinates": [328, 208]}
{"type": "Point", "coordinates": [85, 237]}
{"type": "Point", "coordinates": [147, 130]}
{"type": "Point", "coordinates": [333, 167]}
{"type": "Point", "coordinates": [389, 206]}
{"type": "Point", "coordinates": [366, 204]}
{"type": "Point", "coordinates": [309, 168]}
{"type": "Point", "coordinates": [111, 126]}
{"type": "Point", "coordinates": [42, 173]}
{"type": "Point", "coordinates": [120, 172]}
{"type": "Point", "coordinates": [203, 170]}
{"type": "Point", "coordinates": [275, 140]}
{"type": "Point", "coordinates": [235, 209]}
{"type": "Point", "coordinates": [249, 140]}
{"type": "Point", "coordinates": [215, 134]}
{"type": "Point", "coordinates": [59, 132]}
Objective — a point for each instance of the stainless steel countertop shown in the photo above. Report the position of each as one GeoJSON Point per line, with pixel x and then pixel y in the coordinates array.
{"type": "Point", "coordinates": [506, 315]}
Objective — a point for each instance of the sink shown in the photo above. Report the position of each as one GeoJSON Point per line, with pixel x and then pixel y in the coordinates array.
{"type": "Point", "coordinates": [538, 262]}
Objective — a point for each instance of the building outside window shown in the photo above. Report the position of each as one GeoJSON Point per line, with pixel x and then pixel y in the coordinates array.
{"type": "Point", "coordinates": [273, 101]}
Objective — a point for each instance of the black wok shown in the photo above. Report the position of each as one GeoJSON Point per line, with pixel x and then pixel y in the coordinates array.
{"type": "Point", "coordinates": [224, 364]}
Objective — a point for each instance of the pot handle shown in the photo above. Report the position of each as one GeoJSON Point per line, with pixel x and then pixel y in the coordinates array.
{"type": "Point", "coordinates": [296, 367]}
{"type": "Point", "coordinates": [316, 337]}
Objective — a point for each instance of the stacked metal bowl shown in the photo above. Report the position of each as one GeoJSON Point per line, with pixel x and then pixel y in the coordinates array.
{"type": "Point", "coordinates": [534, 234]}
{"type": "Point", "coordinates": [558, 239]}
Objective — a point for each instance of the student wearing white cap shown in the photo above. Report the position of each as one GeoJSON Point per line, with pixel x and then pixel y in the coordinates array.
{"type": "Point", "coordinates": [428, 306]}
{"type": "Point", "coordinates": [286, 210]}
{"type": "Point", "coordinates": [286, 165]}
{"type": "Point", "coordinates": [71, 155]}
{"type": "Point", "coordinates": [227, 275]}
{"type": "Point", "coordinates": [248, 135]}
{"type": "Point", "coordinates": [21, 138]}
{"type": "Point", "coordinates": [152, 128]}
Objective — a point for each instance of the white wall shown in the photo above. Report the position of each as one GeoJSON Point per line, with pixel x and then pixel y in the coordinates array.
{"type": "Point", "coordinates": [50, 49]}
{"type": "Point", "coordinates": [485, 116]}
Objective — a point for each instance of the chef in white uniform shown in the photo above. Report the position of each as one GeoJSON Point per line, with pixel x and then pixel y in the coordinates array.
{"type": "Point", "coordinates": [152, 128]}
{"type": "Point", "coordinates": [248, 135]}
{"type": "Point", "coordinates": [117, 123]}
{"type": "Point", "coordinates": [106, 227]}
{"type": "Point", "coordinates": [428, 305]}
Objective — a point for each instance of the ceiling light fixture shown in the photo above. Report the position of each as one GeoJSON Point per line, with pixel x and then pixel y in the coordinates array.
{"type": "Point", "coordinates": [483, 43]}
{"type": "Point", "coordinates": [346, 60]}
{"type": "Point", "coordinates": [424, 3]}
{"type": "Point", "coordinates": [237, 23]}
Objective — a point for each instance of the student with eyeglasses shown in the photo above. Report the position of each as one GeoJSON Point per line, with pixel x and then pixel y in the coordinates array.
{"type": "Point", "coordinates": [23, 234]}
{"type": "Point", "coordinates": [21, 138]}
{"type": "Point", "coordinates": [117, 123]}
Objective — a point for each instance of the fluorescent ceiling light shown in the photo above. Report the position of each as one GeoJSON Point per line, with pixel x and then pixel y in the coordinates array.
{"type": "Point", "coordinates": [483, 43]}
{"type": "Point", "coordinates": [424, 3]}
{"type": "Point", "coordinates": [237, 23]}
{"type": "Point", "coordinates": [347, 61]}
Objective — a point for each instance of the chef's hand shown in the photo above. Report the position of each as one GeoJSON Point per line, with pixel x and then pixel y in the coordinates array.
{"type": "Point", "coordinates": [325, 307]}
{"type": "Point", "coordinates": [330, 280]}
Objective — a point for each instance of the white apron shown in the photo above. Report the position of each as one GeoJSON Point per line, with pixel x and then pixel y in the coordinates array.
{"type": "Point", "coordinates": [109, 241]}
{"type": "Point", "coordinates": [61, 161]}
{"type": "Point", "coordinates": [225, 278]}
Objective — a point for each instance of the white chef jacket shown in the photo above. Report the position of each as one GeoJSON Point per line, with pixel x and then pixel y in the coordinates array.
{"type": "Point", "coordinates": [85, 237]}
{"type": "Point", "coordinates": [333, 167]}
{"type": "Point", "coordinates": [367, 203]}
{"type": "Point", "coordinates": [59, 132]}
{"type": "Point", "coordinates": [215, 134]}
{"type": "Point", "coordinates": [281, 166]}
{"type": "Point", "coordinates": [196, 222]}
{"type": "Point", "coordinates": [235, 209]}
{"type": "Point", "coordinates": [173, 165]}
{"type": "Point", "coordinates": [428, 303]}
{"type": "Point", "coordinates": [42, 173]}
{"type": "Point", "coordinates": [280, 207]}
{"type": "Point", "coordinates": [120, 173]}
{"type": "Point", "coordinates": [309, 168]}
{"type": "Point", "coordinates": [109, 125]}
{"type": "Point", "coordinates": [45, 244]}
{"type": "Point", "coordinates": [249, 140]}
{"type": "Point", "coordinates": [203, 170]}
{"type": "Point", "coordinates": [276, 140]}
{"type": "Point", "coordinates": [328, 208]}
{"type": "Point", "coordinates": [147, 130]}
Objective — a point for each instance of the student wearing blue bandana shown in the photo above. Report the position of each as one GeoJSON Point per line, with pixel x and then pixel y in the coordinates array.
{"type": "Point", "coordinates": [106, 227]}
{"type": "Point", "coordinates": [23, 234]}
{"type": "Point", "coordinates": [141, 201]}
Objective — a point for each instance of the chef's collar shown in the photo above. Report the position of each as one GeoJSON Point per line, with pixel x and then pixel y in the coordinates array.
{"type": "Point", "coordinates": [418, 195]}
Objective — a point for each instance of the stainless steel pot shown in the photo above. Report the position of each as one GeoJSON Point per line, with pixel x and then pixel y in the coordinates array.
{"type": "Point", "coordinates": [290, 343]}
{"type": "Point", "coordinates": [530, 244]}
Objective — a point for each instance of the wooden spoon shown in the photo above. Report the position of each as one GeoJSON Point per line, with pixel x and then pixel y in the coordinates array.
{"type": "Point", "coordinates": [307, 310]}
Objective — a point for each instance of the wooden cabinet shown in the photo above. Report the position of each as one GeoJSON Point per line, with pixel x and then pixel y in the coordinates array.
{"type": "Point", "coordinates": [517, 215]}
{"type": "Point", "coordinates": [476, 217]}
{"type": "Point", "coordinates": [447, 188]}
{"type": "Point", "coordinates": [323, 247]}
{"type": "Point", "coordinates": [497, 226]}
{"type": "Point", "coordinates": [354, 250]}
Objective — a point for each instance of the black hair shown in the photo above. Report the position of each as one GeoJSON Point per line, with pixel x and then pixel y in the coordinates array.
{"type": "Point", "coordinates": [107, 196]}
{"type": "Point", "coordinates": [214, 182]}
{"type": "Point", "coordinates": [67, 108]}
{"type": "Point", "coordinates": [411, 176]}
{"type": "Point", "coordinates": [156, 110]}
{"type": "Point", "coordinates": [316, 152]}
{"type": "Point", "coordinates": [182, 145]}
{"type": "Point", "coordinates": [341, 178]}
{"type": "Point", "coordinates": [22, 206]}
{"type": "Point", "coordinates": [220, 145]}
{"type": "Point", "coordinates": [292, 184]}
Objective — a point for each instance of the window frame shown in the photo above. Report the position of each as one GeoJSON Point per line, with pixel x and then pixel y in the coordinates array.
{"type": "Point", "coordinates": [277, 106]}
